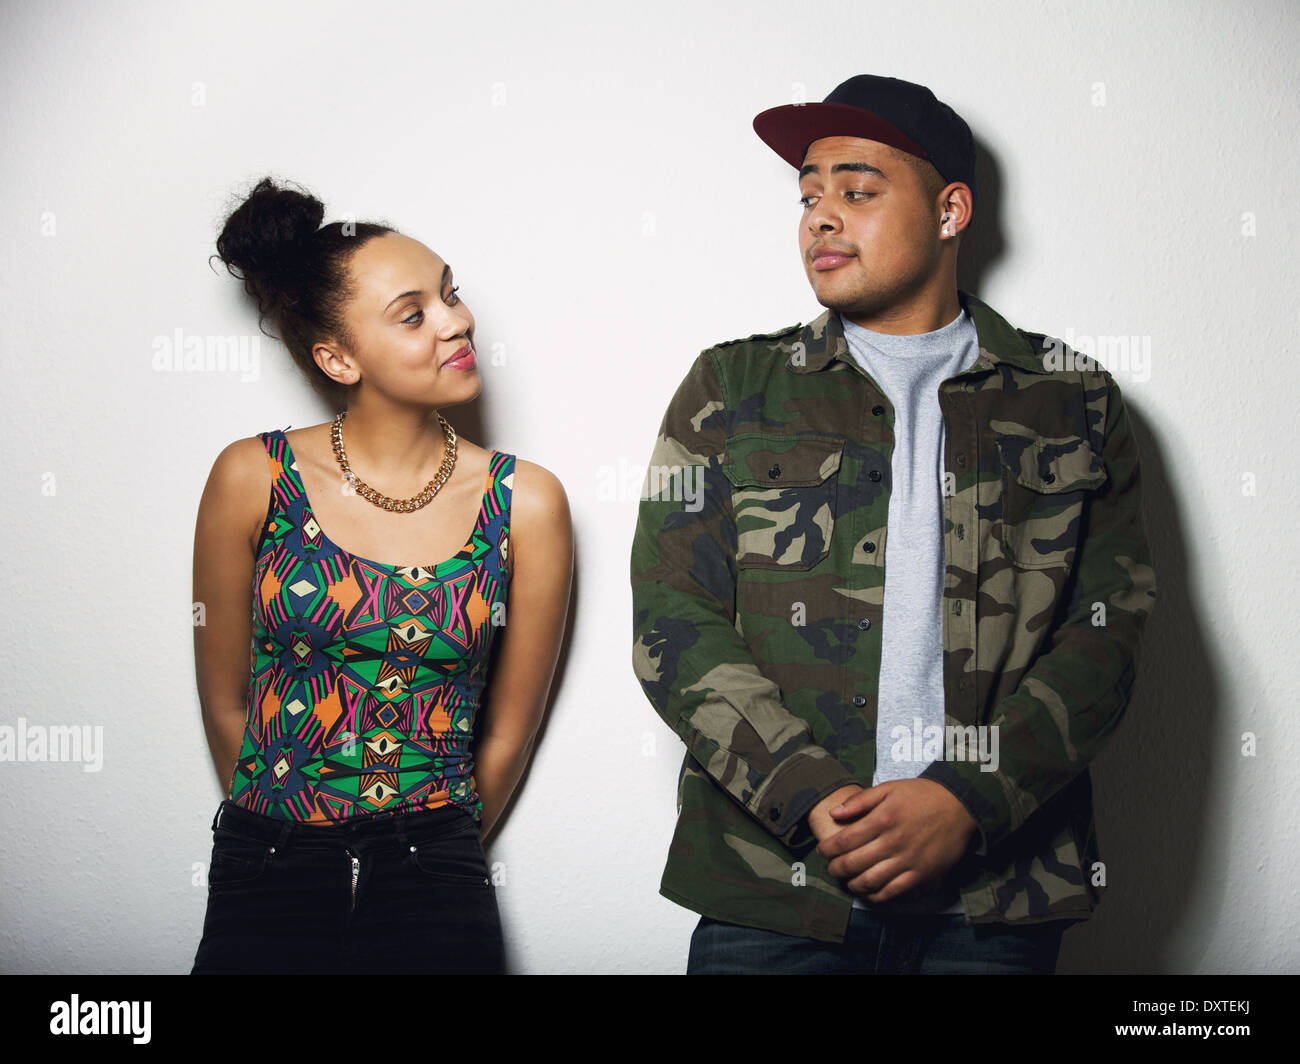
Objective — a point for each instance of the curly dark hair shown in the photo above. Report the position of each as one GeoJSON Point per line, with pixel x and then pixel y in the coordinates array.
{"type": "Point", "coordinates": [296, 270]}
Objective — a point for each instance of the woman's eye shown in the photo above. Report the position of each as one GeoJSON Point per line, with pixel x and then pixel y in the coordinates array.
{"type": "Point", "coordinates": [858, 192]}
{"type": "Point", "coordinates": [804, 201]}
{"type": "Point", "coordinates": [418, 314]}
{"type": "Point", "coordinates": [452, 298]}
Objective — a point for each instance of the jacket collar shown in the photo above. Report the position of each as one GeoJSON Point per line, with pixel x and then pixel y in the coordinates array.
{"type": "Point", "coordinates": [999, 341]}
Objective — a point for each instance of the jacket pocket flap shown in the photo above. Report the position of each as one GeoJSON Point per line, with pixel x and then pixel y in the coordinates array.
{"type": "Point", "coordinates": [756, 460]}
{"type": "Point", "coordinates": [1053, 466]}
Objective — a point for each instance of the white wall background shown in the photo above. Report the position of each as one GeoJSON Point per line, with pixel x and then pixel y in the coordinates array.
{"type": "Point", "coordinates": [594, 179]}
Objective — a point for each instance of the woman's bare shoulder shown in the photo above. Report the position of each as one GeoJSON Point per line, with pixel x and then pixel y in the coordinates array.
{"type": "Point", "coordinates": [239, 484]}
{"type": "Point", "coordinates": [536, 491]}
{"type": "Point", "coordinates": [537, 498]}
{"type": "Point", "coordinates": [541, 524]}
{"type": "Point", "coordinates": [242, 463]}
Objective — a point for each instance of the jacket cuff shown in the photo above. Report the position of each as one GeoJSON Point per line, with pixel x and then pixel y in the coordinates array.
{"type": "Point", "coordinates": [984, 796]}
{"type": "Point", "coordinates": [802, 780]}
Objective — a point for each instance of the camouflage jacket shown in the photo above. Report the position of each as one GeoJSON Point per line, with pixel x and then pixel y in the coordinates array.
{"type": "Point", "coordinates": [758, 581]}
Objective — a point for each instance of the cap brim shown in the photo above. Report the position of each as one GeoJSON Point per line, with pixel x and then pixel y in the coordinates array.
{"type": "Point", "coordinates": [789, 129]}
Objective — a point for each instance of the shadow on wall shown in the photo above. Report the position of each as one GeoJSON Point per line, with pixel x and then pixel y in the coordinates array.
{"type": "Point", "coordinates": [982, 244]}
{"type": "Point", "coordinates": [1151, 783]}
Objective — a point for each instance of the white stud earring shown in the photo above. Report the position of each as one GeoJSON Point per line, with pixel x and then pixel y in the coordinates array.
{"type": "Point", "coordinates": [946, 221]}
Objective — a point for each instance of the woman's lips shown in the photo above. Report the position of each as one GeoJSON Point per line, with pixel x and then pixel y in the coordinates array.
{"type": "Point", "coordinates": [462, 359]}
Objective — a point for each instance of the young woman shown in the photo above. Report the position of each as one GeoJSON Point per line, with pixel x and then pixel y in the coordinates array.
{"type": "Point", "coordinates": [372, 716]}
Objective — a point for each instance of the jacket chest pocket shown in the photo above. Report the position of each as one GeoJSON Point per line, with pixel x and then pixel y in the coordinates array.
{"type": "Point", "coordinates": [782, 498]}
{"type": "Point", "coordinates": [1045, 486]}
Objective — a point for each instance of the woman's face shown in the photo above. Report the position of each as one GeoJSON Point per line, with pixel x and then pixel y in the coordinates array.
{"type": "Point", "coordinates": [412, 334]}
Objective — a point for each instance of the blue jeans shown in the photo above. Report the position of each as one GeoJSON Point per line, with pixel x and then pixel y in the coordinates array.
{"type": "Point", "coordinates": [398, 892]}
{"type": "Point", "coordinates": [887, 943]}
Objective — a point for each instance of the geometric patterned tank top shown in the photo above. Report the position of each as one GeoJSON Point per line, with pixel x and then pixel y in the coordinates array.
{"type": "Point", "coordinates": [365, 678]}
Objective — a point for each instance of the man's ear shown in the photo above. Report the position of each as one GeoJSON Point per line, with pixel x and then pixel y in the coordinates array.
{"type": "Point", "coordinates": [955, 202]}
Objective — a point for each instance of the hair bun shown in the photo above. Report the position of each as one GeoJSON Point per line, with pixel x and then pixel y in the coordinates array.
{"type": "Point", "coordinates": [298, 272]}
{"type": "Point", "coordinates": [270, 232]}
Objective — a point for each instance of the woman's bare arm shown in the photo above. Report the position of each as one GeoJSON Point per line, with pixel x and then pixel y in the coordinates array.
{"type": "Point", "coordinates": [541, 551]}
{"type": "Point", "coordinates": [230, 517]}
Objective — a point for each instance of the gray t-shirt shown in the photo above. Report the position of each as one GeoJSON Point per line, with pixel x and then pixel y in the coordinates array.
{"type": "Point", "coordinates": [909, 370]}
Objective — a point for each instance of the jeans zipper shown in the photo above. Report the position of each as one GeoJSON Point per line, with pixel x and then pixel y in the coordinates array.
{"type": "Point", "coordinates": [356, 868]}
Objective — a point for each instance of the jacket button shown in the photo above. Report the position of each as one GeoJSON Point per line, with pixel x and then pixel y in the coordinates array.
{"type": "Point", "coordinates": [774, 472]}
{"type": "Point", "coordinates": [859, 700]}
{"type": "Point", "coordinates": [868, 547]}
{"type": "Point", "coordinates": [774, 814]}
{"type": "Point", "coordinates": [874, 474]}
{"type": "Point", "coordinates": [1048, 477]}
{"type": "Point", "coordinates": [865, 623]}
{"type": "Point", "coordinates": [877, 410]}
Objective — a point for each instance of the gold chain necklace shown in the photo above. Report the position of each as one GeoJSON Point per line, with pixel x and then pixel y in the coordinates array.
{"type": "Point", "coordinates": [383, 501]}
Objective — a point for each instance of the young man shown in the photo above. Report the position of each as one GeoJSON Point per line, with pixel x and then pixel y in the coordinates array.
{"type": "Point", "coordinates": [901, 613]}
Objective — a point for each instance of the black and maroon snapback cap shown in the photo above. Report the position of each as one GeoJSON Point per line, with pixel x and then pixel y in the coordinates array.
{"type": "Point", "coordinates": [895, 112]}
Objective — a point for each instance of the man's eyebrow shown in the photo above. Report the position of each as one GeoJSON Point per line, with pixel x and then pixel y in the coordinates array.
{"type": "Point", "coordinates": [861, 168]}
{"type": "Point", "coordinates": [446, 269]}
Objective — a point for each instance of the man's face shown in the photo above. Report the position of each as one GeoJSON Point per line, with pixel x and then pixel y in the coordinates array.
{"type": "Point", "coordinates": [868, 235]}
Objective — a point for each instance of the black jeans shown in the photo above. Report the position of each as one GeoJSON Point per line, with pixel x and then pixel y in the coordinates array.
{"type": "Point", "coordinates": [397, 892]}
